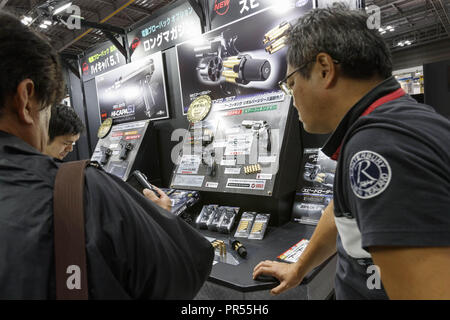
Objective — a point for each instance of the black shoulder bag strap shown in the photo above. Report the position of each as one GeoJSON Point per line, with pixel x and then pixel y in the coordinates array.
{"type": "Point", "coordinates": [70, 247]}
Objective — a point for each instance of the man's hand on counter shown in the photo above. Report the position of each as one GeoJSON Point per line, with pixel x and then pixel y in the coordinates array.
{"type": "Point", "coordinates": [163, 201]}
{"type": "Point", "coordinates": [287, 274]}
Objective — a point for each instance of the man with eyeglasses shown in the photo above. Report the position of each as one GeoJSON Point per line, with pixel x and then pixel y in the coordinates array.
{"type": "Point", "coordinates": [389, 221]}
{"type": "Point", "coordinates": [64, 131]}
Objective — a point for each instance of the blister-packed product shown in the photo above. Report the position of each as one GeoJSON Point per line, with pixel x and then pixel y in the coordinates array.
{"type": "Point", "coordinates": [245, 225]}
{"type": "Point", "coordinates": [206, 215]}
{"type": "Point", "coordinates": [214, 222]}
{"type": "Point", "coordinates": [228, 218]}
{"type": "Point", "coordinates": [259, 226]}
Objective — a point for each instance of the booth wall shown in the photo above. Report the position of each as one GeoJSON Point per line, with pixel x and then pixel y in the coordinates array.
{"type": "Point", "coordinates": [437, 86]}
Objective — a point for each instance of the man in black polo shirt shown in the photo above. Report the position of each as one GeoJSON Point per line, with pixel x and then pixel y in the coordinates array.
{"type": "Point", "coordinates": [390, 213]}
{"type": "Point", "coordinates": [134, 248]}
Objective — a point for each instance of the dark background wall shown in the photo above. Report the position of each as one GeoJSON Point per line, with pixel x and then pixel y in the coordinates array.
{"type": "Point", "coordinates": [437, 86]}
{"type": "Point", "coordinates": [420, 55]}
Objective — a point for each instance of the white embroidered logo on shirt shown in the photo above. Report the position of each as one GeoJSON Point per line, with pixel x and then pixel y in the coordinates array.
{"type": "Point", "coordinates": [370, 174]}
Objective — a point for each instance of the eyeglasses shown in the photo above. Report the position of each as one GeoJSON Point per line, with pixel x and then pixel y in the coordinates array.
{"type": "Point", "coordinates": [283, 83]}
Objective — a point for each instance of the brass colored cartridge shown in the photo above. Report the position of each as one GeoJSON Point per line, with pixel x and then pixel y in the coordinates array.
{"type": "Point", "coordinates": [231, 62]}
{"type": "Point", "coordinates": [276, 32]}
{"type": "Point", "coordinates": [243, 225]}
{"type": "Point", "coordinates": [230, 74]}
{"type": "Point", "coordinates": [271, 32]}
{"type": "Point", "coordinates": [275, 49]}
{"type": "Point", "coordinates": [254, 168]}
{"type": "Point", "coordinates": [257, 227]}
{"type": "Point", "coordinates": [277, 43]}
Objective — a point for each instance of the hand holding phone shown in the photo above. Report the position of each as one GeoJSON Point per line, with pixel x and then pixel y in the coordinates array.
{"type": "Point", "coordinates": [142, 179]}
{"type": "Point", "coordinates": [153, 193]}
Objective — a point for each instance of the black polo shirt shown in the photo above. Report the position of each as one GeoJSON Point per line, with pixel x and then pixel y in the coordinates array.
{"type": "Point", "coordinates": [392, 183]}
{"type": "Point", "coordinates": [134, 248]}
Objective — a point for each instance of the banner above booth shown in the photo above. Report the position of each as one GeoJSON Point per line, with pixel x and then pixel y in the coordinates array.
{"type": "Point", "coordinates": [167, 30]}
{"type": "Point", "coordinates": [225, 11]}
{"type": "Point", "coordinates": [100, 60]}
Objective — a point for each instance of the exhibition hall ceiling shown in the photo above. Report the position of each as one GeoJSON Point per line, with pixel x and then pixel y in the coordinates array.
{"type": "Point", "coordinates": [119, 13]}
{"type": "Point", "coordinates": [404, 23]}
{"type": "Point", "coordinates": [409, 23]}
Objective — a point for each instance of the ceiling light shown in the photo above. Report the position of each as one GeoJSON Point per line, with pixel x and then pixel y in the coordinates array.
{"type": "Point", "coordinates": [62, 8]}
{"type": "Point", "coordinates": [26, 20]}
{"type": "Point", "coordinates": [43, 26]}
{"type": "Point", "coordinates": [47, 22]}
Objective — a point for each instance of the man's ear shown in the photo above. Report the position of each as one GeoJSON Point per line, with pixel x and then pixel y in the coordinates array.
{"type": "Point", "coordinates": [24, 101]}
{"type": "Point", "coordinates": [327, 69]}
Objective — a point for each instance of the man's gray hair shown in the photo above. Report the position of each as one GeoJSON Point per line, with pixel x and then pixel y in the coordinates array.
{"type": "Point", "coordinates": [344, 35]}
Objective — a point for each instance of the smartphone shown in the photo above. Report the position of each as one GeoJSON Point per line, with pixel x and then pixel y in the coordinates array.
{"type": "Point", "coordinates": [142, 180]}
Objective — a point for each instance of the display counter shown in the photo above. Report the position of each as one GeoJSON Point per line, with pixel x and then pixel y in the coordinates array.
{"type": "Point", "coordinates": [235, 282]}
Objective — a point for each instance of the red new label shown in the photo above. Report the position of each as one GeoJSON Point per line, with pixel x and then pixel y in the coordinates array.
{"type": "Point", "coordinates": [221, 7]}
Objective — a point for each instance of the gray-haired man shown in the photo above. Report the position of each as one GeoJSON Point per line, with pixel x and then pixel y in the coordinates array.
{"type": "Point", "coordinates": [390, 213]}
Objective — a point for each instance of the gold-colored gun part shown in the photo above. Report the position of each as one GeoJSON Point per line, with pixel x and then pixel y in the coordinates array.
{"type": "Point", "coordinates": [231, 63]}
{"type": "Point", "coordinates": [232, 80]}
{"type": "Point", "coordinates": [257, 227]}
{"type": "Point", "coordinates": [281, 26]}
{"type": "Point", "coordinates": [275, 49]}
{"type": "Point", "coordinates": [280, 41]}
{"type": "Point", "coordinates": [254, 168]}
{"type": "Point", "coordinates": [243, 225]}
{"type": "Point", "coordinates": [277, 35]}
{"type": "Point", "coordinates": [229, 74]}
{"type": "Point", "coordinates": [276, 32]}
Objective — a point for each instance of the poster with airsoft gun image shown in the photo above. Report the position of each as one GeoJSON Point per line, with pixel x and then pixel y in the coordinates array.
{"type": "Point", "coordinates": [133, 92]}
{"type": "Point", "coordinates": [239, 61]}
{"type": "Point", "coordinates": [234, 149]}
{"type": "Point", "coordinates": [120, 147]}
{"type": "Point", "coordinates": [315, 190]}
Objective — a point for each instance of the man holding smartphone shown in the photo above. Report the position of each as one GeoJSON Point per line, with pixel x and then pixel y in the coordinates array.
{"type": "Point", "coordinates": [134, 248]}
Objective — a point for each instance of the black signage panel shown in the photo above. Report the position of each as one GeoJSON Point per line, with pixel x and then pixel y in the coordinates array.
{"type": "Point", "coordinates": [100, 60]}
{"type": "Point", "coordinates": [173, 27]}
{"type": "Point", "coordinates": [133, 92]}
{"type": "Point", "coordinates": [239, 63]}
{"type": "Point", "coordinates": [226, 11]}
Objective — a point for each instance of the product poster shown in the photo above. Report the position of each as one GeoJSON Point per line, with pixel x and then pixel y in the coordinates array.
{"type": "Point", "coordinates": [175, 26]}
{"type": "Point", "coordinates": [133, 92]}
{"type": "Point", "coordinates": [238, 62]}
{"type": "Point", "coordinates": [226, 11]}
{"type": "Point", "coordinates": [101, 60]}
{"type": "Point", "coordinates": [315, 190]}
